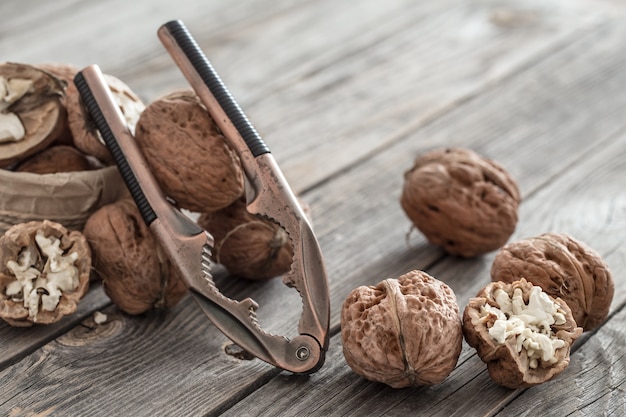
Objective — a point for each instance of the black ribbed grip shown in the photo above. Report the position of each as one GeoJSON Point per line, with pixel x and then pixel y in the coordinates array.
{"type": "Point", "coordinates": [205, 70]}
{"type": "Point", "coordinates": [92, 106]}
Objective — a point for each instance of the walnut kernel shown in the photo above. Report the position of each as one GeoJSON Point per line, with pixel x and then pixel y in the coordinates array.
{"type": "Point", "coordinates": [520, 332]}
{"type": "Point", "coordinates": [44, 271]}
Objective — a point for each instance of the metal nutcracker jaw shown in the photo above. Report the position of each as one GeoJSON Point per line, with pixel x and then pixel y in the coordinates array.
{"type": "Point", "coordinates": [189, 246]}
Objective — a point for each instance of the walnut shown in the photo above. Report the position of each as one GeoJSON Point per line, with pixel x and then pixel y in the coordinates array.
{"type": "Point", "coordinates": [461, 201]}
{"type": "Point", "coordinates": [44, 272]}
{"type": "Point", "coordinates": [55, 159]}
{"type": "Point", "coordinates": [248, 246]}
{"type": "Point", "coordinates": [563, 267]}
{"type": "Point", "coordinates": [135, 271]}
{"type": "Point", "coordinates": [188, 155]}
{"type": "Point", "coordinates": [403, 332]}
{"type": "Point", "coordinates": [31, 113]}
{"type": "Point", "coordinates": [520, 332]}
{"type": "Point", "coordinates": [86, 136]}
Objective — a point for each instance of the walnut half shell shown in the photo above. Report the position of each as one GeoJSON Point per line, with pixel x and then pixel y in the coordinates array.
{"type": "Point", "coordinates": [44, 272]}
{"type": "Point", "coordinates": [402, 332]}
{"type": "Point", "coordinates": [521, 333]}
{"type": "Point", "coordinates": [564, 267]}
{"type": "Point", "coordinates": [461, 201]}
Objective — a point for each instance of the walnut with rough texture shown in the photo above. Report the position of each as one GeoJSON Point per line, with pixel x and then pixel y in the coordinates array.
{"type": "Point", "coordinates": [403, 332]}
{"type": "Point", "coordinates": [564, 267]}
{"type": "Point", "coordinates": [248, 246]}
{"type": "Point", "coordinates": [188, 155]}
{"type": "Point", "coordinates": [461, 201]}
{"type": "Point", "coordinates": [44, 272]}
{"type": "Point", "coordinates": [135, 271]}
{"type": "Point", "coordinates": [55, 159]}
{"type": "Point", "coordinates": [86, 136]}
{"type": "Point", "coordinates": [521, 333]}
{"type": "Point", "coordinates": [31, 113]}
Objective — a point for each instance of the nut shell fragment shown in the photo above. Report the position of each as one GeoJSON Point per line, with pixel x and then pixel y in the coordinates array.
{"type": "Point", "coordinates": [461, 201]}
{"type": "Point", "coordinates": [188, 155]}
{"type": "Point", "coordinates": [135, 271]}
{"type": "Point", "coordinates": [248, 246]}
{"type": "Point", "coordinates": [506, 365]}
{"type": "Point", "coordinates": [402, 332]}
{"type": "Point", "coordinates": [22, 237]}
{"type": "Point", "coordinates": [40, 111]}
{"type": "Point", "coordinates": [563, 267]}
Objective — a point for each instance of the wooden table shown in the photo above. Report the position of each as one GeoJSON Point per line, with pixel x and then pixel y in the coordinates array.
{"type": "Point", "coordinates": [346, 94]}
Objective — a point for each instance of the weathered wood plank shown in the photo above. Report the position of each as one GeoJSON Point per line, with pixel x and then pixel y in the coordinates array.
{"type": "Point", "coordinates": [17, 342]}
{"type": "Point", "coordinates": [592, 183]}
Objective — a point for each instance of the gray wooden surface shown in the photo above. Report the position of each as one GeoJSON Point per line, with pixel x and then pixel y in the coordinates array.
{"type": "Point", "coordinates": [346, 94]}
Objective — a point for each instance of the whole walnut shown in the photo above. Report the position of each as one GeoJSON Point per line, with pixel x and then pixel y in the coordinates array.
{"type": "Point", "coordinates": [135, 271]}
{"type": "Point", "coordinates": [32, 115]}
{"type": "Point", "coordinates": [564, 267]}
{"type": "Point", "coordinates": [44, 272]}
{"type": "Point", "coordinates": [55, 159]}
{"type": "Point", "coordinates": [86, 136]}
{"type": "Point", "coordinates": [461, 201]}
{"type": "Point", "coordinates": [402, 332]}
{"type": "Point", "coordinates": [187, 153]}
{"type": "Point", "coordinates": [248, 246]}
{"type": "Point", "coordinates": [521, 333]}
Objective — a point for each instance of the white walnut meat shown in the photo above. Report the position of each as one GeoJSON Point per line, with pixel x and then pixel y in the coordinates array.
{"type": "Point", "coordinates": [187, 153]}
{"type": "Point", "coordinates": [246, 245]}
{"type": "Point", "coordinates": [402, 332]}
{"type": "Point", "coordinates": [563, 267]}
{"type": "Point", "coordinates": [31, 112]}
{"type": "Point", "coordinates": [135, 271]}
{"type": "Point", "coordinates": [84, 131]}
{"type": "Point", "coordinates": [461, 201]}
{"type": "Point", "coordinates": [521, 333]}
{"type": "Point", "coordinates": [44, 272]}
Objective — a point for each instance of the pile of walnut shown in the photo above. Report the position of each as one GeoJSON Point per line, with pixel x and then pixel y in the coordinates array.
{"type": "Point", "coordinates": [44, 129]}
{"type": "Point", "coordinates": [546, 290]}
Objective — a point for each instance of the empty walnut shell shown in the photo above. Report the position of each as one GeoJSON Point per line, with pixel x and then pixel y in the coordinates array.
{"type": "Point", "coordinates": [248, 246]}
{"type": "Point", "coordinates": [55, 159]}
{"type": "Point", "coordinates": [564, 267]}
{"type": "Point", "coordinates": [135, 271]}
{"type": "Point", "coordinates": [21, 238]}
{"type": "Point", "coordinates": [461, 201]}
{"type": "Point", "coordinates": [402, 332]}
{"type": "Point", "coordinates": [506, 364]}
{"type": "Point", "coordinates": [187, 153]}
{"type": "Point", "coordinates": [39, 110]}
{"type": "Point", "coordinates": [84, 131]}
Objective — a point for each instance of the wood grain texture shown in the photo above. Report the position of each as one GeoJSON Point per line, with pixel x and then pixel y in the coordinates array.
{"type": "Point", "coordinates": [346, 97]}
{"type": "Point", "coordinates": [588, 182]}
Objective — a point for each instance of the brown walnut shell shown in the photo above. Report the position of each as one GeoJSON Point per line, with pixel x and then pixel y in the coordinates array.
{"type": "Point", "coordinates": [461, 201]}
{"type": "Point", "coordinates": [22, 236]}
{"type": "Point", "coordinates": [55, 159]}
{"type": "Point", "coordinates": [84, 131]}
{"type": "Point", "coordinates": [135, 271]}
{"type": "Point", "coordinates": [506, 366]}
{"type": "Point", "coordinates": [40, 110]}
{"type": "Point", "coordinates": [563, 267]}
{"type": "Point", "coordinates": [188, 155]}
{"type": "Point", "coordinates": [246, 245]}
{"type": "Point", "coordinates": [65, 72]}
{"type": "Point", "coordinates": [402, 332]}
